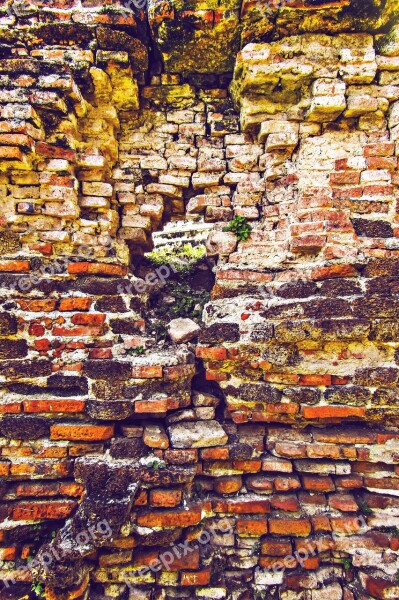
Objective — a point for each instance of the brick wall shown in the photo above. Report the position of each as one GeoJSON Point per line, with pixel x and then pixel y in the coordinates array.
{"type": "Point", "coordinates": [262, 459]}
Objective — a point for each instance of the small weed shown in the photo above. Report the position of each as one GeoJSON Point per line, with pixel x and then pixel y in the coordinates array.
{"type": "Point", "coordinates": [364, 507]}
{"type": "Point", "coordinates": [182, 257]}
{"type": "Point", "coordinates": [256, 547]}
{"type": "Point", "coordinates": [136, 351]}
{"type": "Point", "coordinates": [240, 227]}
{"type": "Point", "coordinates": [38, 588]}
{"type": "Point", "coordinates": [153, 462]}
{"type": "Point", "coordinates": [347, 563]}
{"type": "Point", "coordinates": [397, 576]}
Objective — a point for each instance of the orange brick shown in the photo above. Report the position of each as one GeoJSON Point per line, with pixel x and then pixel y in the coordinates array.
{"type": "Point", "coordinates": [332, 412]}
{"type": "Point", "coordinates": [248, 466]}
{"type": "Point", "coordinates": [211, 353]}
{"type": "Point", "coordinates": [240, 507]}
{"type": "Point", "coordinates": [276, 548]}
{"type": "Point", "coordinates": [347, 525]}
{"type": "Point", "coordinates": [166, 498]}
{"type": "Point", "coordinates": [251, 527]}
{"type": "Point", "coordinates": [147, 372]}
{"type": "Point", "coordinates": [296, 527]}
{"type": "Point", "coordinates": [227, 485]}
{"type": "Point", "coordinates": [196, 578]}
{"type": "Point", "coordinates": [81, 432]}
{"type": "Point", "coordinates": [88, 319]}
{"type": "Point", "coordinates": [80, 331]}
{"type": "Point", "coordinates": [19, 266]}
{"type": "Point", "coordinates": [333, 272]}
{"type": "Point", "coordinates": [25, 511]}
{"type": "Point", "coordinates": [70, 304]}
{"type": "Point", "coordinates": [54, 406]}
{"type": "Point", "coordinates": [178, 518]}
{"type": "Point", "coordinates": [72, 489]}
{"type": "Point", "coordinates": [156, 406]}
{"type": "Point", "coordinates": [267, 562]}
{"type": "Point", "coordinates": [10, 407]}
{"type": "Point", "coordinates": [190, 561]}
{"type": "Point", "coordinates": [315, 380]}
{"type": "Point", "coordinates": [37, 305]}
{"type": "Point", "coordinates": [9, 553]}
{"type": "Point", "coordinates": [4, 469]}
{"type": "Point", "coordinates": [215, 454]}
{"type": "Point", "coordinates": [81, 268]}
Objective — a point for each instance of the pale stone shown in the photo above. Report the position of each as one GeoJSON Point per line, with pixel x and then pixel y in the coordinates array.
{"type": "Point", "coordinates": [183, 330]}
{"type": "Point", "coordinates": [221, 243]}
{"type": "Point", "coordinates": [200, 434]}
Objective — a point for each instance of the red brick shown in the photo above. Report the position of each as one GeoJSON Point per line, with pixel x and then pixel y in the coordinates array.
{"type": "Point", "coordinates": [286, 502]}
{"type": "Point", "coordinates": [82, 268]}
{"type": "Point", "coordinates": [71, 304]}
{"type": "Point", "coordinates": [50, 151]}
{"type": "Point", "coordinates": [155, 406]}
{"type": "Point", "coordinates": [147, 372]}
{"type": "Point", "coordinates": [81, 432]}
{"type": "Point", "coordinates": [81, 331]}
{"type": "Point", "coordinates": [347, 525]}
{"type": "Point", "coordinates": [251, 527]}
{"type": "Point", "coordinates": [276, 548]}
{"type": "Point", "coordinates": [228, 485]}
{"type": "Point", "coordinates": [343, 502]}
{"type": "Point", "coordinates": [37, 305]}
{"type": "Point", "coordinates": [211, 353]}
{"type": "Point", "coordinates": [178, 372]}
{"type": "Point", "coordinates": [54, 406]}
{"type": "Point", "coordinates": [332, 412]}
{"type": "Point", "coordinates": [321, 523]}
{"type": "Point", "coordinates": [345, 177]}
{"type": "Point", "coordinates": [177, 518]}
{"type": "Point", "coordinates": [239, 507]}
{"type": "Point", "coordinates": [10, 407]}
{"type": "Point", "coordinates": [88, 319]}
{"type": "Point", "coordinates": [315, 380]}
{"type": "Point", "coordinates": [196, 578]}
{"type": "Point", "coordinates": [27, 511]}
{"type": "Point", "coordinates": [335, 271]}
{"type": "Point", "coordinates": [378, 190]}
{"type": "Point", "coordinates": [377, 162]}
{"type": "Point", "coordinates": [215, 454]}
{"type": "Point", "coordinates": [165, 498]}
{"type": "Point", "coordinates": [8, 553]}
{"type": "Point", "coordinates": [16, 266]}
{"type": "Point", "coordinates": [380, 149]}
{"type": "Point", "coordinates": [247, 466]}
{"type": "Point", "coordinates": [181, 457]}
{"type": "Point", "coordinates": [295, 527]}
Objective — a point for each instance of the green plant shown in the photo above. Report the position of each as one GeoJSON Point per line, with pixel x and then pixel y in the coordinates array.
{"type": "Point", "coordinates": [189, 302]}
{"type": "Point", "coordinates": [181, 257]}
{"type": "Point", "coordinates": [256, 547]}
{"type": "Point", "coordinates": [136, 351]}
{"type": "Point", "coordinates": [397, 576]}
{"type": "Point", "coordinates": [153, 462]}
{"type": "Point", "coordinates": [240, 227]}
{"type": "Point", "coordinates": [347, 562]}
{"type": "Point", "coordinates": [38, 588]}
{"type": "Point", "coordinates": [364, 507]}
